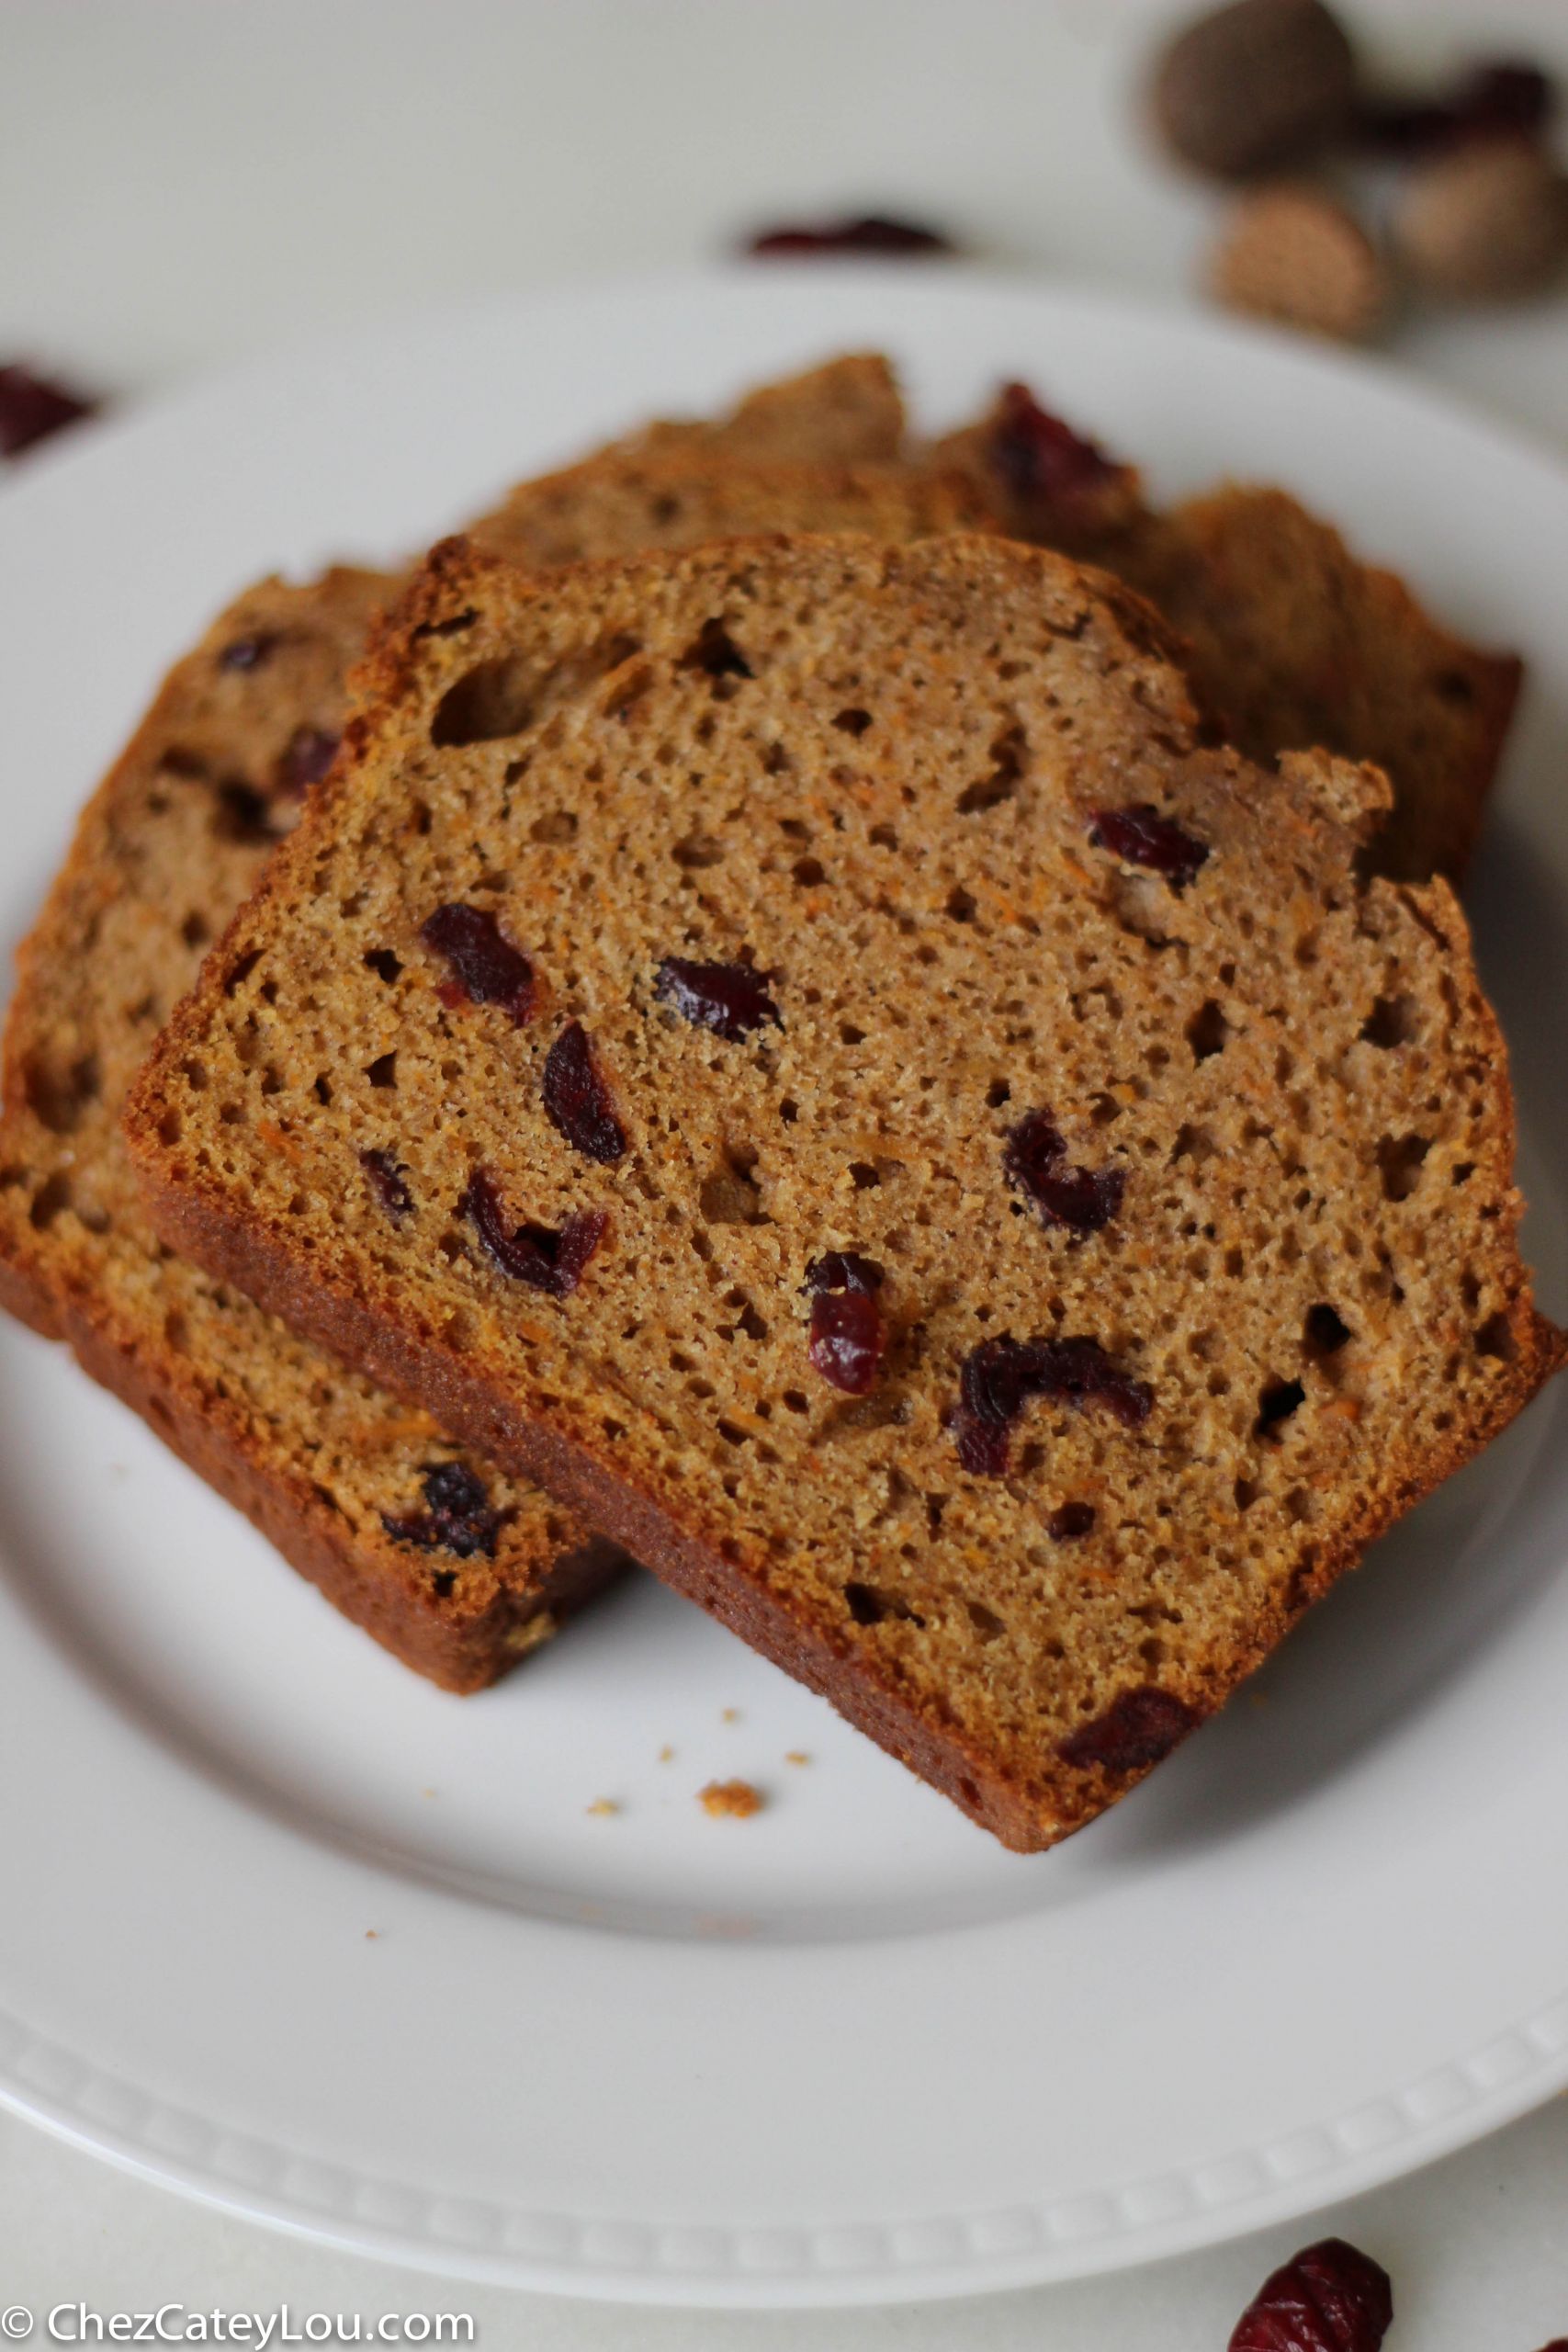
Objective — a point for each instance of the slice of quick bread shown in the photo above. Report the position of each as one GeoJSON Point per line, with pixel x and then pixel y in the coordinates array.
{"type": "Point", "coordinates": [965, 1179]}
{"type": "Point", "coordinates": [621, 501]}
{"type": "Point", "coordinates": [846, 411]}
{"type": "Point", "coordinates": [456, 1567]}
{"type": "Point", "coordinates": [358, 1493]}
{"type": "Point", "coordinates": [1291, 640]}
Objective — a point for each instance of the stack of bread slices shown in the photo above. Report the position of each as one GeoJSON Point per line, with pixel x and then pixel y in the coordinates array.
{"type": "Point", "coordinates": [878, 1027]}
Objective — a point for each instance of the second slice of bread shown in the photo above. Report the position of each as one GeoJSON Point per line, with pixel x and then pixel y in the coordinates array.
{"type": "Point", "coordinates": [976, 1189]}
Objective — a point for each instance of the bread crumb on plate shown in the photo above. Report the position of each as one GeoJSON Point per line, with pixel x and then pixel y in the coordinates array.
{"type": "Point", "coordinates": [736, 1799]}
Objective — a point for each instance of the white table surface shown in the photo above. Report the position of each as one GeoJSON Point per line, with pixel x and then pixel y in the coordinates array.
{"type": "Point", "coordinates": [185, 182]}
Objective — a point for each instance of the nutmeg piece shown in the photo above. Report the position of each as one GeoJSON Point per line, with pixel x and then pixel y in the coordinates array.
{"type": "Point", "coordinates": [1298, 255]}
{"type": "Point", "coordinates": [1254, 87]}
{"type": "Point", "coordinates": [1485, 223]}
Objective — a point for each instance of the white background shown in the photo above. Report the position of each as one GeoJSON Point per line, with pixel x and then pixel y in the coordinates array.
{"type": "Point", "coordinates": [184, 184]}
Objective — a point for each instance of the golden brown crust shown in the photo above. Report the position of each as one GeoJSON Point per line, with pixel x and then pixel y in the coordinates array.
{"type": "Point", "coordinates": [1320, 992]}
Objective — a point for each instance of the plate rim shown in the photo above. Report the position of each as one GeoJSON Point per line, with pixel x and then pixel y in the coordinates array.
{"type": "Point", "coordinates": [822, 2266]}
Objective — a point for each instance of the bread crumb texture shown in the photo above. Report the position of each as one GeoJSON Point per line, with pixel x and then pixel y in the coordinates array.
{"type": "Point", "coordinates": [983, 1195]}
{"type": "Point", "coordinates": [457, 1567]}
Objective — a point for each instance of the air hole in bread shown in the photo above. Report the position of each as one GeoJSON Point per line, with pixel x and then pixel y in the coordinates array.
{"type": "Point", "coordinates": [870, 1604]}
{"type": "Point", "coordinates": [1326, 1331]}
{"type": "Point", "coordinates": [1207, 1031]}
{"type": "Point", "coordinates": [1496, 1338]}
{"type": "Point", "coordinates": [1393, 1021]}
{"type": "Point", "coordinates": [494, 699]}
{"type": "Point", "coordinates": [1276, 1403]}
{"type": "Point", "coordinates": [1001, 780]}
{"type": "Point", "coordinates": [383, 1070]}
{"type": "Point", "coordinates": [555, 828]}
{"type": "Point", "coordinates": [1399, 1159]}
{"type": "Point", "coordinates": [852, 723]}
{"type": "Point", "coordinates": [383, 963]}
{"type": "Point", "coordinates": [715, 652]}
{"type": "Point", "coordinates": [240, 970]}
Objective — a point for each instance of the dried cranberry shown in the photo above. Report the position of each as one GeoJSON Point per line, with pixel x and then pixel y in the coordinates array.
{"type": "Point", "coordinates": [457, 1515]}
{"type": "Point", "coordinates": [1084, 1198]}
{"type": "Point", "coordinates": [535, 1254]}
{"type": "Point", "coordinates": [386, 1176]}
{"type": "Point", "coordinates": [730, 998]}
{"type": "Point", "coordinates": [577, 1100]}
{"type": "Point", "coordinates": [1141, 836]}
{"type": "Point", "coordinates": [486, 968]}
{"type": "Point", "coordinates": [1331, 2297]}
{"type": "Point", "coordinates": [843, 1270]}
{"type": "Point", "coordinates": [31, 408]}
{"type": "Point", "coordinates": [247, 652]}
{"type": "Point", "coordinates": [1137, 1729]}
{"type": "Point", "coordinates": [849, 1339]}
{"type": "Point", "coordinates": [871, 233]}
{"type": "Point", "coordinates": [308, 756]}
{"type": "Point", "coordinates": [1042, 461]}
{"type": "Point", "coordinates": [1499, 97]}
{"type": "Point", "coordinates": [1069, 1520]}
{"type": "Point", "coordinates": [1001, 1376]}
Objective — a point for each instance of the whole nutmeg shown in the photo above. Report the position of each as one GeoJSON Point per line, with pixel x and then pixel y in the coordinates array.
{"type": "Point", "coordinates": [1484, 224]}
{"type": "Point", "coordinates": [1255, 88]}
{"type": "Point", "coordinates": [1296, 255]}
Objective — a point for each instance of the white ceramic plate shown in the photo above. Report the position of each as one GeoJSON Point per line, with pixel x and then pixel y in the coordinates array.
{"type": "Point", "coordinates": [849, 2050]}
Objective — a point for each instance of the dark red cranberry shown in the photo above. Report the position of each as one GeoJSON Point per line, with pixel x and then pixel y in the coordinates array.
{"type": "Point", "coordinates": [849, 1339]}
{"type": "Point", "coordinates": [486, 968]}
{"type": "Point", "coordinates": [457, 1516]}
{"type": "Point", "coordinates": [247, 652]}
{"type": "Point", "coordinates": [1069, 1520]}
{"type": "Point", "coordinates": [32, 407]}
{"type": "Point", "coordinates": [1001, 1376]}
{"type": "Point", "coordinates": [386, 1176]}
{"type": "Point", "coordinates": [1083, 1199]}
{"type": "Point", "coordinates": [1136, 1730]}
{"type": "Point", "coordinates": [871, 233]}
{"type": "Point", "coordinates": [730, 998]}
{"type": "Point", "coordinates": [308, 756]}
{"type": "Point", "coordinates": [535, 1254]}
{"type": "Point", "coordinates": [1330, 2297]}
{"type": "Point", "coordinates": [1041, 460]}
{"type": "Point", "coordinates": [843, 1270]}
{"type": "Point", "coordinates": [577, 1100]}
{"type": "Point", "coordinates": [1500, 97]}
{"type": "Point", "coordinates": [1141, 836]}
